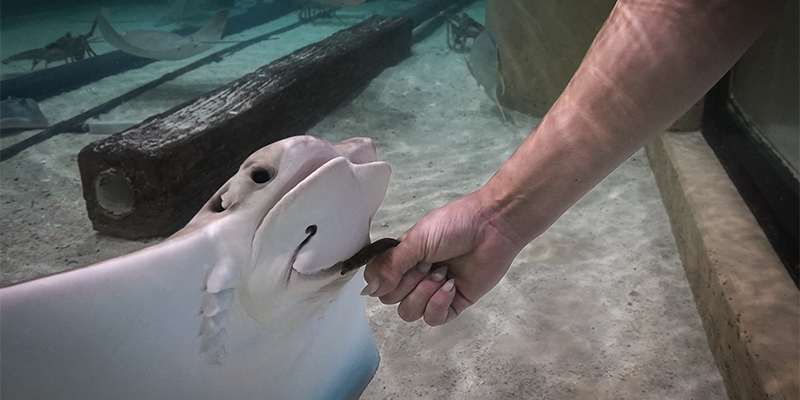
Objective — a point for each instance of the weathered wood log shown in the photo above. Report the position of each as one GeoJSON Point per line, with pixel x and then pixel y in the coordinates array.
{"type": "Point", "coordinates": [152, 178]}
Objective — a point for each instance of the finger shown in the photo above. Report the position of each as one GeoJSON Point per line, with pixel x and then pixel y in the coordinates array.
{"type": "Point", "coordinates": [372, 285]}
{"type": "Point", "coordinates": [407, 283]}
{"type": "Point", "coordinates": [385, 272]}
{"type": "Point", "coordinates": [378, 267]}
{"type": "Point", "coordinates": [413, 306]}
{"type": "Point", "coordinates": [438, 310]}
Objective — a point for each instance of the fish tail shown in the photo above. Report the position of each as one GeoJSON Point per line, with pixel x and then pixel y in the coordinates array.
{"type": "Point", "coordinates": [503, 92]}
{"type": "Point", "coordinates": [502, 112]}
{"type": "Point", "coordinates": [497, 101]}
{"type": "Point", "coordinates": [91, 31]}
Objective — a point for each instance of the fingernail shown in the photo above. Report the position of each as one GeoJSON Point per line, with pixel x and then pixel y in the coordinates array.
{"type": "Point", "coordinates": [448, 286]}
{"type": "Point", "coordinates": [424, 267]}
{"type": "Point", "coordinates": [438, 274]}
{"type": "Point", "coordinates": [371, 287]}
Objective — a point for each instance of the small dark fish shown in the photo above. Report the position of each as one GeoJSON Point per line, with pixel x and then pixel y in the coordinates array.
{"type": "Point", "coordinates": [366, 254]}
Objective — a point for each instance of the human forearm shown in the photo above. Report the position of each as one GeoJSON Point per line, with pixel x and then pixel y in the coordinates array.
{"type": "Point", "coordinates": [650, 62]}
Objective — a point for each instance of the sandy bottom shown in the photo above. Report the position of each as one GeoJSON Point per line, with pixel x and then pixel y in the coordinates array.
{"type": "Point", "coordinates": [598, 307]}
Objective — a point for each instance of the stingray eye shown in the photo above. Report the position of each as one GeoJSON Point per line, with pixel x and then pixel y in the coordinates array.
{"type": "Point", "coordinates": [260, 176]}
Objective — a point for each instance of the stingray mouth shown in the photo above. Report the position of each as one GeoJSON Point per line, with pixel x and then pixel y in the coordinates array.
{"type": "Point", "coordinates": [310, 231]}
{"type": "Point", "coordinates": [323, 273]}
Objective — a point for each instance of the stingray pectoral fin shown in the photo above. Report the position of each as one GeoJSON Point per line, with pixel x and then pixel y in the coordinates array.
{"type": "Point", "coordinates": [114, 38]}
{"type": "Point", "coordinates": [155, 44]}
{"type": "Point", "coordinates": [472, 72]}
{"type": "Point", "coordinates": [373, 179]}
{"type": "Point", "coordinates": [211, 32]}
{"type": "Point", "coordinates": [359, 150]}
{"type": "Point", "coordinates": [105, 330]}
{"type": "Point", "coordinates": [21, 113]}
{"type": "Point", "coordinates": [491, 91]}
{"type": "Point", "coordinates": [159, 45]}
{"type": "Point", "coordinates": [497, 101]}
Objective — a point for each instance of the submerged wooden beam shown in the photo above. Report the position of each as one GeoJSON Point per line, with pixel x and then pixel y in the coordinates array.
{"type": "Point", "coordinates": [152, 178]}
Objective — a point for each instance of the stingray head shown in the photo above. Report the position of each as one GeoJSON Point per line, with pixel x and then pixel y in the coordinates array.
{"type": "Point", "coordinates": [295, 208]}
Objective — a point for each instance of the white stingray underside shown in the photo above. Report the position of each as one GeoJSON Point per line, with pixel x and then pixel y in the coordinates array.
{"type": "Point", "coordinates": [160, 45]}
{"type": "Point", "coordinates": [132, 327]}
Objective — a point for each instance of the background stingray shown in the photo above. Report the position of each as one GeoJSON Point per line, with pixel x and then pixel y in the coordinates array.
{"type": "Point", "coordinates": [483, 64]}
{"type": "Point", "coordinates": [21, 114]}
{"type": "Point", "coordinates": [161, 45]}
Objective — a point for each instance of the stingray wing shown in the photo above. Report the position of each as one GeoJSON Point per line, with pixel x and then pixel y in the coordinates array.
{"type": "Point", "coordinates": [21, 114]}
{"type": "Point", "coordinates": [104, 330]}
{"type": "Point", "coordinates": [160, 45]}
{"type": "Point", "coordinates": [483, 64]}
{"type": "Point", "coordinates": [212, 31]}
{"type": "Point", "coordinates": [130, 328]}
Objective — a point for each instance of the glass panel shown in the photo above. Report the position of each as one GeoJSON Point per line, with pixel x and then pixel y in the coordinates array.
{"type": "Point", "coordinates": [765, 85]}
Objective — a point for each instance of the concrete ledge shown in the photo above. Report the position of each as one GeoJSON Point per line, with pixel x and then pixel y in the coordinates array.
{"type": "Point", "coordinates": [748, 303]}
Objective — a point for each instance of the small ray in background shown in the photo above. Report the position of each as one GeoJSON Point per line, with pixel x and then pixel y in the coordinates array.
{"type": "Point", "coordinates": [21, 114]}
{"type": "Point", "coordinates": [160, 45]}
{"type": "Point", "coordinates": [483, 64]}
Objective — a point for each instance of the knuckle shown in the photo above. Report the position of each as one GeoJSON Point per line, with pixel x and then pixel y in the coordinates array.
{"type": "Point", "coordinates": [432, 316]}
{"type": "Point", "coordinates": [406, 315]}
{"type": "Point", "coordinates": [389, 277]}
{"type": "Point", "coordinates": [389, 299]}
{"type": "Point", "coordinates": [433, 321]}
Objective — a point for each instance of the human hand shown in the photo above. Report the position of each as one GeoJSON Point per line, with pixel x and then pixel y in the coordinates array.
{"type": "Point", "coordinates": [445, 262]}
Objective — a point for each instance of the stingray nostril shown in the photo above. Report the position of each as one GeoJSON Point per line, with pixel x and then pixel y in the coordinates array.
{"type": "Point", "coordinates": [260, 176]}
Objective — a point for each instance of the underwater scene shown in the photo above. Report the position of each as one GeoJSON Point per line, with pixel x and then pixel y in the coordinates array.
{"type": "Point", "coordinates": [597, 307]}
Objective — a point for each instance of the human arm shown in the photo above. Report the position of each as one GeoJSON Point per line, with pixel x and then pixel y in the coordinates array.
{"type": "Point", "coordinates": [650, 62]}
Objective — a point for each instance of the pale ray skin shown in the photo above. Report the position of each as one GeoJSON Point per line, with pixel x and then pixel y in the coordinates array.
{"type": "Point", "coordinates": [160, 45]}
{"type": "Point", "coordinates": [240, 304]}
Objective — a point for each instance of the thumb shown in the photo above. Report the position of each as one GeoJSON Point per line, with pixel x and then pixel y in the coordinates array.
{"type": "Point", "coordinates": [384, 273]}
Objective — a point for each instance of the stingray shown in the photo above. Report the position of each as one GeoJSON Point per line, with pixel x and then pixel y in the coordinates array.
{"type": "Point", "coordinates": [242, 303]}
{"type": "Point", "coordinates": [21, 114]}
{"type": "Point", "coordinates": [483, 64]}
{"type": "Point", "coordinates": [161, 45]}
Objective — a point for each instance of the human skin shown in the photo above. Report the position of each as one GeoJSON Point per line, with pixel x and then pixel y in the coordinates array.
{"type": "Point", "coordinates": [650, 62]}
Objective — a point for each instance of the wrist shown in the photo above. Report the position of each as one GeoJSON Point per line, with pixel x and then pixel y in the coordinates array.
{"type": "Point", "coordinates": [540, 181]}
{"type": "Point", "coordinates": [505, 211]}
